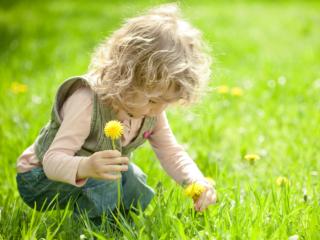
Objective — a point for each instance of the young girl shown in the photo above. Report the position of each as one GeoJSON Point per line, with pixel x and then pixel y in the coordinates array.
{"type": "Point", "coordinates": [152, 61]}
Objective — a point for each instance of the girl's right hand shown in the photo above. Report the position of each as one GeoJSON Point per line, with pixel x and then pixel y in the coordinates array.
{"type": "Point", "coordinates": [106, 165]}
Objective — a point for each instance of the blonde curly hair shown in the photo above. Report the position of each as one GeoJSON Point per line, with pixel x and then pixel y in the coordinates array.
{"type": "Point", "coordinates": [149, 55]}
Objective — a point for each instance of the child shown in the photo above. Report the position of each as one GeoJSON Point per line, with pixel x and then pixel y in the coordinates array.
{"type": "Point", "coordinates": [152, 61]}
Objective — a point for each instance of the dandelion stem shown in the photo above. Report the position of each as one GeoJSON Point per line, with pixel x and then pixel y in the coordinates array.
{"type": "Point", "coordinates": [113, 145]}
{"type": "Point", "coordinates": [119, 192]}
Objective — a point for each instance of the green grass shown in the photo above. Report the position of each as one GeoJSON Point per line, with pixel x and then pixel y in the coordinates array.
{"type": "Point", "coordinates": [256, 45]}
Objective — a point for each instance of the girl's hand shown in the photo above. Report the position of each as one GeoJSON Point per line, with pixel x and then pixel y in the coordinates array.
{"type": "Point", "coordinates": [207, 197]}
{"type": "Point", "coordinates": [106, 165]}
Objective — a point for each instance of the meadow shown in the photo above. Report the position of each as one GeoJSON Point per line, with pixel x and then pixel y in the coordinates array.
{"type": "Point", "coordinates": [263, 99]}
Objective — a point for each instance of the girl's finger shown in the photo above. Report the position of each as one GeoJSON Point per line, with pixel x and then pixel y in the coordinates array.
{"type": "Point", "coordinates": [117, 160]}
{"type": "Point", "coordinates": [214, 197]}
{"type": "Point", "coordinates": [210, 198]}
{"type": "Point", "coordinates": [115, 168]}
{"type": "Point", "coordinates": [200, 200]}
{"type": "Point", "coordinates": [110, 176]}
{"type": "Point", "coordinates": [206, 201]}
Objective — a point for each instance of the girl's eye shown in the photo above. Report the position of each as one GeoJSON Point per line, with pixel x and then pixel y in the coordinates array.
{"type": "Point", "coordinates": [151, 101]}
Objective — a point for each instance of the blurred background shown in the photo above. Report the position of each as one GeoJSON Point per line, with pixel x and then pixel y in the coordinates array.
{"type": "Point", "coordinates": [263, 98]}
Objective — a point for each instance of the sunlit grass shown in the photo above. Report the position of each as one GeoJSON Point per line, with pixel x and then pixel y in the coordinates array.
{"type": "Point", "coordinates": [263, 99]}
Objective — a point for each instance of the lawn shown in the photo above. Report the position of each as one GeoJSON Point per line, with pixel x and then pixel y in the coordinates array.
{"type": "Point", "coordinates": [263, 98]}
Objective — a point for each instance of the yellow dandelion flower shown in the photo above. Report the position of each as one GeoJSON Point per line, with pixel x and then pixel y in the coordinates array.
{"type": "Point", "coordinates": [282, 181]}
{"type": "Point", "coordinates": [18, 87]}
{"type": "Point", "coordinates": [223, 89]}
{"type": "Point", "coordinates": [236, 91]}
{"type": "Point", "coordinates": [194, 190]}
{"type": "Point", "coordinates": [251, 158]}
{"type": "Point", "coordinates": [113, 129]}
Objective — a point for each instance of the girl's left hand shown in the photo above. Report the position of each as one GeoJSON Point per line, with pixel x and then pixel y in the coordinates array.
{"type": "Point", "coordinates": [207, 197]}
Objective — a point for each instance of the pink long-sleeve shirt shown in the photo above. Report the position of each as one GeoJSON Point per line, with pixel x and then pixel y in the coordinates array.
{"type": "Point", "coordinates": [61, 164]}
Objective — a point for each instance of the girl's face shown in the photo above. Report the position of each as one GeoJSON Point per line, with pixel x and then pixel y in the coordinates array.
{"type": "Point", "coordinates": [138, 105]}
{"type": "Point", "coordinates": [147, 107]}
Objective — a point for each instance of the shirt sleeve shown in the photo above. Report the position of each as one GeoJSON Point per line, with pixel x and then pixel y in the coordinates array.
{"type": "Point", "coordinates": [59, 162]}
{"type": "Point", "coordinates": [173, 158]}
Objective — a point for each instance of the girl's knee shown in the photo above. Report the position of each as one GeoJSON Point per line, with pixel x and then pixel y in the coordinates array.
{"type": "Point", "coordinates": [41, 193]}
